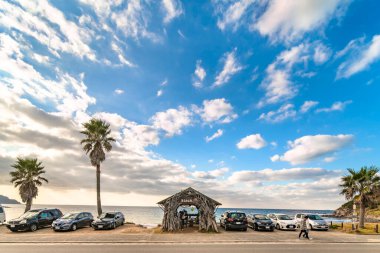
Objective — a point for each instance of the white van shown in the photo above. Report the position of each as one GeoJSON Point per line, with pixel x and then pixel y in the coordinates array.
{"type": "Point", "coordinates": [2, 215]}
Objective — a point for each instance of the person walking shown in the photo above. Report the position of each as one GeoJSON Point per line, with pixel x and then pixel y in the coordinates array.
{"type": "Point", "coordinates": [304, 227]}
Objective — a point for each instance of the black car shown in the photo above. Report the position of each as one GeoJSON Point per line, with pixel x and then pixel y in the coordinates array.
{"type": "Point", "coordinates": [73, 221]}
{"type": "Point", "coordinates": [260, 222]}
{"type": "Point", "coordinates": [234, 220]}
{"type": "Point", "coordinates": [108, 220]}
{"type": "Point", "coordinates": [34, 219]}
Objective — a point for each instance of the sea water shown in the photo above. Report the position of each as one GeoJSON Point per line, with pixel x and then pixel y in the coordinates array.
{"type": "Point", "coordinates": [151, 216]}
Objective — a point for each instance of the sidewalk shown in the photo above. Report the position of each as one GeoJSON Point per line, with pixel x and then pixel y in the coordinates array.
{"type": "Point", "coordinates": [123, 235]}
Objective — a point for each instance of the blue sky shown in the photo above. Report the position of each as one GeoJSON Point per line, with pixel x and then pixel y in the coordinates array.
{"type": "Point", "coordinates": [250, 101]}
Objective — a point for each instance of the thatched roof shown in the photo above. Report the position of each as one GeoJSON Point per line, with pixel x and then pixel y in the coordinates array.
{"type": "Point", "coordinates": [189, 192]}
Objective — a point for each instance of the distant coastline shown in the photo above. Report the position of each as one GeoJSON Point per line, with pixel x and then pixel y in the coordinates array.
{"type": "Point", "coordinates": [6, 200]}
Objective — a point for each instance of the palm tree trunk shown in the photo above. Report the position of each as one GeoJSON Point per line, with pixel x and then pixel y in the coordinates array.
{"type": "Point", "coordinates": [362, 213]}
{"type": "Point", "coordinates": [28, 205]}
{"type": "Point", "coordinates": [98, 201]}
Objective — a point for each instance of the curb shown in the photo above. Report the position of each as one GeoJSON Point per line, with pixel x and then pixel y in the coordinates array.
{"type": "Point", "coordinates": [184, 243]}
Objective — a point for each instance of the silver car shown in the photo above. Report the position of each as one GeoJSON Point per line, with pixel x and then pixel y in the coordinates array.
{"type": "Point", "coordinates": [316, 222]}
{"type": "Point", "coordinates": [282, 221]}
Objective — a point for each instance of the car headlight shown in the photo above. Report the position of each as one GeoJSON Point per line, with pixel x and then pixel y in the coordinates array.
{"type": "Point", "coordinates": [23, 222]}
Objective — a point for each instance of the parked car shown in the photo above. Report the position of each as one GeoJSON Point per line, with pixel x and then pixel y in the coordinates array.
{"type": "Point", "coordinates": [282, 221]}
{"type": "Point", "coordinates": [260, 222]}
{"type": "Point", "coordinates": [316, 222]}
{"type": "Point", "coordinates": [34, 219]}
{"type": "Point", "coordinates": [234, 220]}
{"type": "Point", "coordinates": [2, 215]}
{"type": "Point", "coordinates": [73, 221]}
{"type": "Point", "coordinates": [108, 220]}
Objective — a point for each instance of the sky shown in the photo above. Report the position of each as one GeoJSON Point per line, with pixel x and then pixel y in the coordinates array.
{"type": "Point", "coordinates": [256, 103]}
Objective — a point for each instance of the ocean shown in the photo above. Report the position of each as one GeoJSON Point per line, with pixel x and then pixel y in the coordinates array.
{"type": "Point", "coordinates": [151, 216]}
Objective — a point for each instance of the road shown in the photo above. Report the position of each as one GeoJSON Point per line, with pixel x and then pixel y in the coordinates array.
{"type": "Point", "coordinates": [187, 248]}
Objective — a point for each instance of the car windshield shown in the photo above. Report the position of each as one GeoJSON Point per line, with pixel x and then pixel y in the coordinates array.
{"type": "Point", "coordinates": [315, 217]}
{"type": "Point", "coordinates": [29, 214]}
{"type": "Point", "coordinates": [284, 217]}
{"type": "Point", "coordinates": [107, 215]}
{"type": "Point", "coordinates": [69, 216]}
{"type": "Point", "coordinates": [261, 217]}
{"type": "Point", "coordinates": [237, 215]}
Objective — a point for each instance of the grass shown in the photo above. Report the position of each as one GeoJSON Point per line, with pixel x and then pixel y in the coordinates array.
{"type": "Point", "coordinates": [369, 228]}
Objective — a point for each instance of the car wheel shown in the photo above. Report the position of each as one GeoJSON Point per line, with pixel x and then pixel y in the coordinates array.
{"type": "Point", "coordinates": [33, 227]}
{"type": "Point", "coordinates": [74, 227]}
{"type": "Point", "coordinates": [225, 227]}
{"type": "Point", "coordinates": [272, 229]}
{"type": "Point", "coordinates": [245, 229]}
{"type": "Point", "coordinates": [114, 225]}
{"type": "Point", "coordinates": [278, 227]}
{"type": "Point", "coordinates": [255, 227]}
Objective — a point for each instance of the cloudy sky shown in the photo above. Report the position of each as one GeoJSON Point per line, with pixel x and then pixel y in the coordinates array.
{"type": "Point", "coordinates": [258, 103]}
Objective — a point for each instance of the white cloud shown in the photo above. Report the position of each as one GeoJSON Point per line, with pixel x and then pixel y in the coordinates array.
{"type": "Point", "coordinates": [230, 68]}
{"type": "Point", "coordinates": [277, 84]}
{"type": "Point", "coordinates": [311, 147]}
{"type": "Point", "coordinates": [290, 20]}
{"type": "Point", "coordinates": [67, 94]}
{"type": "Point", "coordinates": [30, 18]}
{"type": "Point", "coordinates": [253, 141]}
{"type": "Point", "coordinates": [360, 57]}
{"type": "Point", "coordinates": [172, 9]}
{"type": "Point", "coordinates": [213, 174]}
{"type": "Point", "coordinates": [337, 106]}
{"type": "Point", "coordinates": [199, 75]}
{"type": "Point", "coordinates": [286, 111]}
{"type": "Point", "coordinates": [217, 134]}
{"type": "Point", "coordinates": [307, 105]}
{"type": "Point", "coordinates": [216, 110]}
{"type": "Point", "coordinates": [233, 15]}
{"type": "Point", "coordinates": [132, 21]}
{"type": "Point", "coordinates": [119, 91]}
{"type": "Point", "coordinates": [172, 120]}
{"type": "Point", "coordinates": [120, 55]}
{"type": "Point", "coordinates": [164, 82]}
{"type": "Point", "coordinates": [321, 54]}
{"type": "Point", "coordinates": [160, 93]}
{"type": "Point", "coordinates": [290, 174]}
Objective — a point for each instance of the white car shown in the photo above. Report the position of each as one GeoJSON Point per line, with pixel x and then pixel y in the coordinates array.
{"type": "Point", "coordinates": [2, 215]}
{"type": "Point", "coordinates": [282, 221]}
{"type": "Point", "coordinates": [315, 221]}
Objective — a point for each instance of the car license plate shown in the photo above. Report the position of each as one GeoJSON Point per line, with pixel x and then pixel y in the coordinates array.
{"type": "Point", "coordinates": [100, 226]}
{"type": "Point", "coordinates": [238, 222]}
{"type": "Point", "coordinates": [291, 226]}
{"type": "Point", "coordinates": [56, 227]}
{"type": "Point", "coordinates": [267, 227]}
{"type": "Point", "coordinates": [12, 226]}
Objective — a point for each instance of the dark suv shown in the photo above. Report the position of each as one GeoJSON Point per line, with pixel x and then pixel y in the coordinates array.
{"type": "Point", "coordinates": [234, 220]}
{"type": "Point", "coordinates": [108, 220]}
{"type": "Point", "coordinates": [34, 219]}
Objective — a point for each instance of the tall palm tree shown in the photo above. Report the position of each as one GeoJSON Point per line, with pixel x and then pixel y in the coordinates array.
{"type": "Point", "coordinates": [97, 141]}
{"type": "Point", "coordinates": [28, 176]}
{"type": "Point", "coordinates": [360, 185]}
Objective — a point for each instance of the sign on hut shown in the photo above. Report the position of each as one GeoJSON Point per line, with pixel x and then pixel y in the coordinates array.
{"type": "Point", "coordinates": [206, 210]}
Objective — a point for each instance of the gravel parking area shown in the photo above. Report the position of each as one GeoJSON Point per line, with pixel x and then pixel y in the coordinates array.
{"type": "Point", "coordinates": [132, 233]}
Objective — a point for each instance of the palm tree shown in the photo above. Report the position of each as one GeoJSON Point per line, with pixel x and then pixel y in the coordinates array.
{"type": "Point", "coordinates": [27, 176]}
{"type": "Point", "coordinates": [97, 141]}
{"type": "Point", "coordinates": [360, 185]}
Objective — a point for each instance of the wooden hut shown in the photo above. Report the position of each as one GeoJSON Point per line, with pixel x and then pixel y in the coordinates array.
{"type": "Point", "coordinates": [206, 210]}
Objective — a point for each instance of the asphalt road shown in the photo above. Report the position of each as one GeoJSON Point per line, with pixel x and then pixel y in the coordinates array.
{"type": "Point", "coordinates": [187, 248]}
